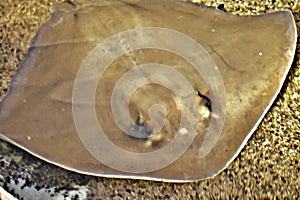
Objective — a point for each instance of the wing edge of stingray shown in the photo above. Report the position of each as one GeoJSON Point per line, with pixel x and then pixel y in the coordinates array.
{"type": "Point", "coordinates": [272, 100]}
{"type": "Point", "coordinates": [100, 175]}
{"type": "Point", "coordinates": [141, 177]}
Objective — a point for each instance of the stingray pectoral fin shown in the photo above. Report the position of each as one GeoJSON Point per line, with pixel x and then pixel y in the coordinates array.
{"type": "Point", "coordinates": [252, 55]}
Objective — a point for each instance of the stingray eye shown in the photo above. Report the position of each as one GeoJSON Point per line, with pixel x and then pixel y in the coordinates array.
{"type": "Point", "coordinates": [205, 99]}
{"type": "Point", "coordinates": [140, 121]}
{"type": "Point", "coordinates": [143, 127]}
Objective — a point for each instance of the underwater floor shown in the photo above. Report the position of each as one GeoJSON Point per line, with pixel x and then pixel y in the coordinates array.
{"type": "Point", "coordinates": [267, 167]}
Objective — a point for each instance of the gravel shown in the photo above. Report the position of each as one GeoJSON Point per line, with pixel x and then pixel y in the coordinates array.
{"type": "Point", "coordinates": [268, 166]}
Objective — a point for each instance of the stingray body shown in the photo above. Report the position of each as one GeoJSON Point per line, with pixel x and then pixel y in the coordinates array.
{"type": "Point", "coordinates": [252, 54]}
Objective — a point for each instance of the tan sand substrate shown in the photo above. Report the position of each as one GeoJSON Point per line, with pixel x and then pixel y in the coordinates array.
{"type": "Point", "coordinates": [267, 167]}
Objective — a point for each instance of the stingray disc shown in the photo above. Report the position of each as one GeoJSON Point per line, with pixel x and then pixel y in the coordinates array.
{"type": "Point", "coordinates": [153, 89]}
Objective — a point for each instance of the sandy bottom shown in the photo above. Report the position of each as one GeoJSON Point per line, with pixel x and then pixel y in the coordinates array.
{"type": "Point", "coordinates": [267, 167]}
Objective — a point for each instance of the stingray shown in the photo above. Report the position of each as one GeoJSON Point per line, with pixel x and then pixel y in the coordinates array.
{"type": "Point", "coordinates": [154, 89]}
